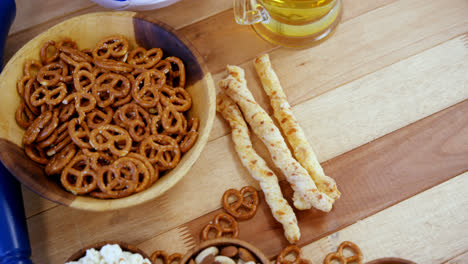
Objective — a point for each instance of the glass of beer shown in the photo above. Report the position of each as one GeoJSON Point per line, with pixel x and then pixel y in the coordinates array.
{"type": "Point", "coordinates": [290, 23]}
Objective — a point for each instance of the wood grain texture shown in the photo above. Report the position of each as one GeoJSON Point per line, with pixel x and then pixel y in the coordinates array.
{"type": "Point", "coordinates": [196, 196]}
{"type": "Point", "coordinates": [427, 228]}
{"type": "Point", "coordinates": [30, 13]}
{"type": "Point", "coordinates": [460, 259]}
{"type": "Point", "coordinates": [390, 169]}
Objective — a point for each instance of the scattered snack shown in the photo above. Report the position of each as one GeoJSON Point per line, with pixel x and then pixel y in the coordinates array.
{"type": "Point", "coordinates": [244, 207]}
{"type": "Point", "coordinates": [291, 250]}
{"type": "Point", "coordinates": [223, 224]}
{"type": "Point", "coordinates": [291, 128]}
{"type": "Point", "coordinates": [224, 255]}
{"type": "Point", "coordinates": [106, 122]}
{"type": "Point", "coordinates": [165, 258]}
{"type": "Point", "coordinates": [306, 194]}
{"type": "Point", "coordinates": [110, 254]}
{"type": "Point", "coordinates": [338, 255]}
{"type": "Point", "coordinates": [258, 168]}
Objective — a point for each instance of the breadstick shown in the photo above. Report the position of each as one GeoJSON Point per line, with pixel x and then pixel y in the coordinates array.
{"type": "Point", "coordinates": [306, 194]}
{"type": "Point", "coordinates": [258, 168]}
{"type": "Point", "coordinates": [291, 128]}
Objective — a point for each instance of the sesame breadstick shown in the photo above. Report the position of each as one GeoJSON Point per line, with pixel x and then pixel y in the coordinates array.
{"type": "Point", "coordinates": [291, 128]}
{"type": "Point", "coordinates": [306, 194]}
{"type": "Point", "coordinates": [258, 168]}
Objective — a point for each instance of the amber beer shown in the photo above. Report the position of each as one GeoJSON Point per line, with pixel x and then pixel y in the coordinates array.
{"type": "Point", "coordinates": [293, 23]}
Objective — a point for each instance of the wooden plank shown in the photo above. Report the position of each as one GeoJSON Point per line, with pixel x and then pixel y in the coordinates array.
{"type": "Point", "coordinates": [369, 48]}
{"type": "Point", "coordinates": [34, 204]}
{"type": "Point", "coordinates": [31, 13]}
{"type": "Point", "coordinates": [428, 228]}
{"type": "Point", "coordinates": [218, 168]}
{"type": "Point", "coordinates": [461, 259]}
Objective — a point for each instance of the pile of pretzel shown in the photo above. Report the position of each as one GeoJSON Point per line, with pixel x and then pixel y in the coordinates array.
{"type": "Point", "coordinates": [108, 120]}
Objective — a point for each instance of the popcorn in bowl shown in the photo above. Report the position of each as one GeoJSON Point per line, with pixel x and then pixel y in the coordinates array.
{"type": "Point", "coordinates": [110, 254]}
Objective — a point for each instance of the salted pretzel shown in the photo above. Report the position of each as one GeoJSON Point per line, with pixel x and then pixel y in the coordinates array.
{"type": "Point", "coordinates": [232, 228]}
{"type": "Point", "coordinates": [146, 87]}
{"type": "Point", "coordinates": [111, 47]}
{"type": "Point", "coordinates": [45, 50]}
{"type": "Point", "coordinates": [291, 249]}
{"type": "Point", "coordinates": [52, 73]}
{"type": "Point", "coordinates": [40, 124]}
{"type": "Point", "coordinates": [244, 207]}
{"type": "Point", "coordinates": [79, 133]}
{"type": "Point", "coordinates": [78, 177]}
{"type": "Point", "coordinates": [161, 150]}
{"type": "Point", "coordinates": [173, 121]}
{"type": "Point", "coordinates": [29, 65]}
{"type": "Point", "coordinates": [112, 138]}
{"type": "Point", "coordinates": [338, 255]}
{"type": "Point", "coordinates": [165, 258]}
{"type": "Point", "coordinates": [49, 95]}
{"type": "Point", "coordinates": [61, 159]}
{"type": "Point", "coordinates": [177, 98]}
{"type": "Point", "coordinates": [142, 58]}
{"type": "Point", "coordinates": [177, 71]}
{"type": "Point", "coordinates": [36, 154]}
{"type": "Point", "coordinates": [24, 117]}
{"type": "Point", "coordinates": [83, 78]}
{"type": "Point", "coordinates": [99, 116]}
{"type": "Point", "coordinates": [108, 87]}
{"type": "Point", "coordinates": [192, 134]}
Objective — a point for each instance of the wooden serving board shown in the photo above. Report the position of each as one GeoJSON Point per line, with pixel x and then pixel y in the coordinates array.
{"type": "Point", "coordinates": [371, 178]}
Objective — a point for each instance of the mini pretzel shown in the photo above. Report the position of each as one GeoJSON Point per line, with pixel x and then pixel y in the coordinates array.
{"type": "Point", "coordinates": [137, 168]}
{"type": "Point", "coordinates": [120, 179]}
{"type": "Point", "coordinates": [108, 87]}
{"type": "Point", "coordinates": [98, 159]}
{"type": "Point", "coordinates": [83, 78]}
{"type": "Point", "coordinates": [160, 254]}
{"type": "Point", "coordinates": [338, 255]}
{"type": "Point", "coordinates": [36, 154]}
{"type": "Point", "coordinates": [178, 98]}
{"type": "Point", "coordinates": [75, 55]}
{"type": "Point", "coordinates": [154, 172]}
{"type": "Point", "coordinates": [141, 58]}
{"type": "Point", "coordinates": [66, 111]}
{"type": "Point", "coordinates": [233, 227]}
{"type": "Point", "coordinates": [115, 66]}
{"type": "Point", "coordinates": [172, 121]}
{"type": "Point", "coordinates": [84, 103]}
{"type": "Point", "coordinates": [60, 160]}
{"type": "Point", "coordinates": [78, 177]}
{"type": "Point", "coordinates": [52, 73]}
{"type": "Point", "coordinates": [29, 65]}
{"type": "Point", "coordinates": [37, 126]}
{"type": "Point", "coordinates": [242, 209]}
{"type": "Point", "coordinates": [45, 49]}
{"type": "Point", "coordinates": [24, 117]}
{"type": "Point", "coordinates": [113, 46]}
{"type": "Point", "coordinates": [162, 150]}
{"type": "Point", "coordinates": [79, 133]}
{"type": "Point", "coordinates": [291, 249]}
{"type": "Point", "coordinates": [146, 87]}
{"type": "Point", "coordinates": [189, 140]}
{"type": "Point", "coordinates": [98, 117]}
{"type": "Point", "coordinates": [136, 119]}
{"type": "Point", "coordinates": [49, 96]}
{"type": "Point", "coordinates": [109, 137]}
{"type": "Point", "coordinates": [176, 72]}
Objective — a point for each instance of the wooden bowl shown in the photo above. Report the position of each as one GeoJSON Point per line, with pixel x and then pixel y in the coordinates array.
{"type": "Point", "coordinates": [124, 246]}
{"type": "Point", "coordinates": [221, 242]}
{"type": "Point", "coordinates": [390, 261]}
{"type": "Point", "coordinates": [87, 30]}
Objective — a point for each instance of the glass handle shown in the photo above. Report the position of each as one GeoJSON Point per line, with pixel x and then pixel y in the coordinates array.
{"type": "Point", "coordinates": [248, 12]}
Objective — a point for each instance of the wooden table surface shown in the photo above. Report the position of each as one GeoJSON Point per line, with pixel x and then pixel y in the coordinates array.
{"type": "Point", "coordinates": [386, 95]}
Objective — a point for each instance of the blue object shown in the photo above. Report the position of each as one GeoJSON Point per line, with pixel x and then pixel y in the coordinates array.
{"type": "Point", "coordinates": [14, 240]}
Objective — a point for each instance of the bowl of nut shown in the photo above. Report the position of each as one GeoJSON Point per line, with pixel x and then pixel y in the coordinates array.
{"type": "Point", "coordinates": [109, 252]}
{"type": "Point", "coordinates": [104, 111]}
{"type": "Point", "coordinates": [225, 251]}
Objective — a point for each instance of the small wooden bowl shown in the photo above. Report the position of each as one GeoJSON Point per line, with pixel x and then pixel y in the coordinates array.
{"type": "Point", "coordinates": [220, 242]}
{"type": "Point", "coordinates": [124, 246]}
{"type": "Point", "coordinates": [390, 261]}
{"type": "Point", "coordinates": [87, 30]}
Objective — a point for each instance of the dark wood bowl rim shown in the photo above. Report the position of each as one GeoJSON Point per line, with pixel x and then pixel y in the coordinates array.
{"type": "Point", "coordinates": [391, 261]}
{"type": "Point", "coordinates": [123, 245]}
{"type": "Point", "coordinates": [224, 242]}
